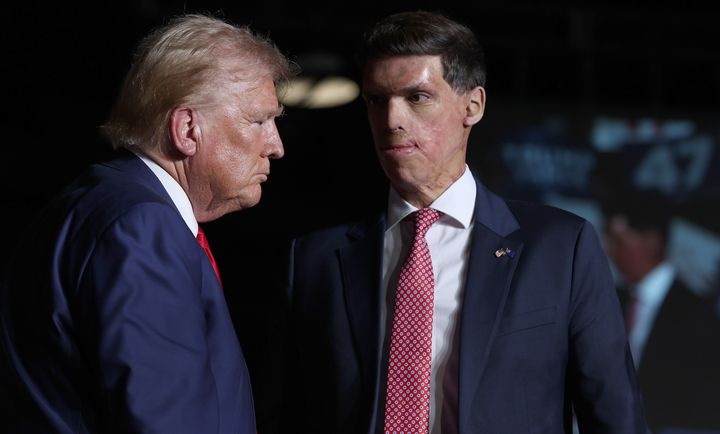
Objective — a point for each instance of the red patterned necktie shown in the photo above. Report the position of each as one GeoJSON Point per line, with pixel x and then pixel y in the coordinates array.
{"type": "Point", "coordinates": [206, 247]}
{"type": "Point", "coordinates": [407, 404]}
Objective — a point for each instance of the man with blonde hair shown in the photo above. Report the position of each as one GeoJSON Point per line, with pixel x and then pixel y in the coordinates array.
{"type": "Point", "coordinates": [112, 318]}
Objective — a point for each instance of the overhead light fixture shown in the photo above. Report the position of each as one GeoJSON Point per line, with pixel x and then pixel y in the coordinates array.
{"type": "Point", "coordinates": [321, 83]}
{"type": "Point", "coordinates": [313, 93]}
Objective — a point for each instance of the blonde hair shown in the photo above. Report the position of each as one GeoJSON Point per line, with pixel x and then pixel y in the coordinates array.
{"type": "Point", "coordinates": [179, 64]}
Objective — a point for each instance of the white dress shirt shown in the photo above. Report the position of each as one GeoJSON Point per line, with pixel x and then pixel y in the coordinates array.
{"type": "Point", "coordinates": [449, 242]}
{"type": "Point", "coordinates": [176, 193]}
{"type": "Point", "coordinates": [649, 294]}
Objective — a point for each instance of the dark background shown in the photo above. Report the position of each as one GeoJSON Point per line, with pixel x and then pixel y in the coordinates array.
{"type": "Point", "coordinates": [555, 67]}
{"type": "Point", "coordinates": [559, 73]}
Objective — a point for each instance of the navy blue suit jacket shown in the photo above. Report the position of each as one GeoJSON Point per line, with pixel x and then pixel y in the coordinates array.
{"type": "Point", "coordinates": [679, 372]}
{"type": "Point", "coordinates": [113, 320]}
{"type": "Point", "coordinates": [539, 331]}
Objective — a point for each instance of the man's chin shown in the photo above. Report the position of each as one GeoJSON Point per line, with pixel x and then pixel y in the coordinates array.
{"type": "Point", "coordinates": [251, 198]}
{"type": "Point", "coordinates": [400, 176]}
{"type": "Point", "coordinates": [230, 206]}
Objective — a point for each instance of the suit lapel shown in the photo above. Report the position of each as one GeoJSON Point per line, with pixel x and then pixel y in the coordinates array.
{"type": "Point", "coordinates": [486, 289]}
{"type": "Point", "coordinates": [360, 266]}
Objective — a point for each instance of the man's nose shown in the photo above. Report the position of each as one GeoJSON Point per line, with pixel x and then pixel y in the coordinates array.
{"type": "Point", "coordinates": [274, 145]}
{"type": "Point", "coordinates": [395, 115]}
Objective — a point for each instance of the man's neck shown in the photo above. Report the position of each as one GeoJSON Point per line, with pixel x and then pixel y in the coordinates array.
{"type": "Point", "coordinates": [422, 196]}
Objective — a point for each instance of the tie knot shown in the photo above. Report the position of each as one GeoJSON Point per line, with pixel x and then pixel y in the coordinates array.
{"type": "Point", "coordinates": [424, 218]}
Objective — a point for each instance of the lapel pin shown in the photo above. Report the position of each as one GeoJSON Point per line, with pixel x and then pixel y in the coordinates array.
{"type": "Point", "coordinates": [503, 252]}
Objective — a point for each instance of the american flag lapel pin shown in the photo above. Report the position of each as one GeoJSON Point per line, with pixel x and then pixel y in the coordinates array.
{"type": "Point", "coordinates": [504, 252]}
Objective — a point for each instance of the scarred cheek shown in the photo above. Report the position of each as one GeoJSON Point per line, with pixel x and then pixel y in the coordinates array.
{"type": "Point", "coordinates": [437, 126]}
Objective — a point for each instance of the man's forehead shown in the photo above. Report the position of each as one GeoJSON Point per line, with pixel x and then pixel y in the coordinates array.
{"type": "Point", "coordinates": [403, 63]}
{"type": "Point", "coordinates": [402, 71]}
{"type": "Point", "coordinates": [260, 96]}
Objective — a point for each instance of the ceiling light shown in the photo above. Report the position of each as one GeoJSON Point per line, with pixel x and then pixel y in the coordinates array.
{"type": "Point", "coordinates": [313, 93]}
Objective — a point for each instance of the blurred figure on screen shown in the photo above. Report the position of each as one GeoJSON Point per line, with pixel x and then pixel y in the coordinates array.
{"type": "Point", "coordinates": [673, 332]}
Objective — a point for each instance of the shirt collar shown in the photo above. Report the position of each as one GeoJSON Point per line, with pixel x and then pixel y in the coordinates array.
{"type": "Point", "coordinates": [175, 191]}
{"type": "Point", "coordinates": [457, 202]}
{"type": "Point", "coordinates": [652, 288]}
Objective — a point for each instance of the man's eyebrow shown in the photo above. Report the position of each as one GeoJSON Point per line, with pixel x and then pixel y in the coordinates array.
{"type": "Point", "coordinates": [272, 113]}
{"type": "Point", "coordinates": [419, 86]}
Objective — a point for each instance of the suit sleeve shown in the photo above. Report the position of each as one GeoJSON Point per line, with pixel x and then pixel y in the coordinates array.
{"type": "Point", "coordinates": [142, 290]}
{"type": "Point", "coordinates": [602, 379]}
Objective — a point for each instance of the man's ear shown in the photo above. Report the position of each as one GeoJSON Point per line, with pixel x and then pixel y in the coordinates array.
{"type": "Point", "coordinates": [475, 106]}
{"type": "Point", "coordinates": [184, 131]}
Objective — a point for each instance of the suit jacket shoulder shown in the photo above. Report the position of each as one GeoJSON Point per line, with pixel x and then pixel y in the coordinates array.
{"type": "Point", "coordinates": [127, 316]}
{"type": "Point", "coordinates": [540, 218]}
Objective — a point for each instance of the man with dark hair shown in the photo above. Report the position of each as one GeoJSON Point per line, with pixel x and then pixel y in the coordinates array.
{"type": "Point", "coordinates": [112, 319]}
{"type": "Point", "coordinates": [453, 310]}
{"type": "Point", "coordinates": [673, 331]}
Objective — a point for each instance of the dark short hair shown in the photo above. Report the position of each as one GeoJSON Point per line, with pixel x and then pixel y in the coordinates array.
{"type": "Point", "coordinates": [644, 210]}
{"type": "Point", "coordinates": [422, 33]}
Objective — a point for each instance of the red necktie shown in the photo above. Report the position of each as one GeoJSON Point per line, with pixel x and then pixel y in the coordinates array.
{"type": "Point", "coordinates": [407, 404]}
{"type": "Point", "coordinates": [206, 247]}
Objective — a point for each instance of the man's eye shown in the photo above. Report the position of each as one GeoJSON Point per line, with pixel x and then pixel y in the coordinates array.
{"type": "Point", "coordinates": [418, 98]}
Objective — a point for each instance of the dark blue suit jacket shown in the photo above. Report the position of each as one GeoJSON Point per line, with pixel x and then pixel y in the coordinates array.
{"type": "Point", "coordinates": [113, 320]}
{"type": "Point", "coordinates": [679, 372]}
{"type": "Point", "coordinates": [539, 331]}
